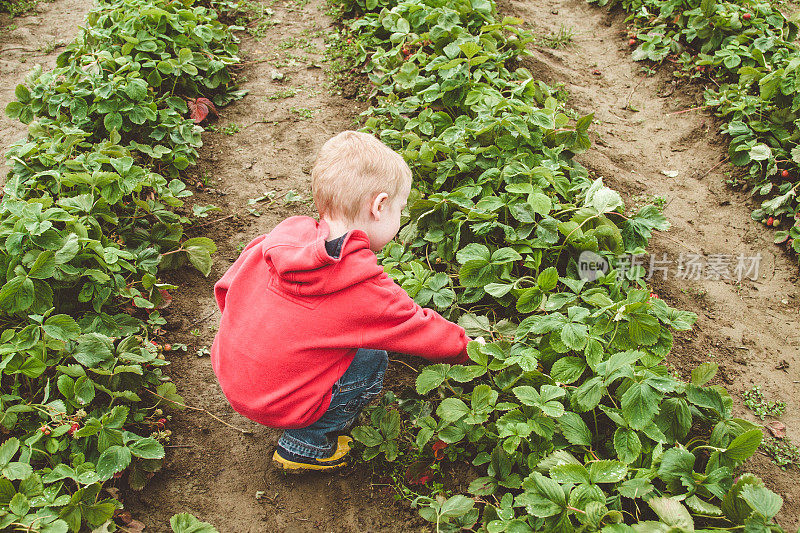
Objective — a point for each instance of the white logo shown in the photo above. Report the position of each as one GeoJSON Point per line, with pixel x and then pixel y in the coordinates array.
{"type": "Point", "coordinates": [591, 265]}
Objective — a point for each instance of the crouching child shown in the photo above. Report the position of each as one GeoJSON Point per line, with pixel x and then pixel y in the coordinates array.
{"type": "Point", "coordinates": [308, 315]}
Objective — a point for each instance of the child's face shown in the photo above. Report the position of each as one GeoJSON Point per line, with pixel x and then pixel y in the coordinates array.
{"type": "Point", "coordinates": [384, 220]}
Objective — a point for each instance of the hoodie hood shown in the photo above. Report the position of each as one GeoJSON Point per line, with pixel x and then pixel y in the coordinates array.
{"type": "Point", "coordinates": [295, 252]}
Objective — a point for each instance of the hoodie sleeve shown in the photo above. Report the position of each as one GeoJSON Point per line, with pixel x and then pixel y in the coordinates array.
{"type": "Point", "coordinates": [403, 326]}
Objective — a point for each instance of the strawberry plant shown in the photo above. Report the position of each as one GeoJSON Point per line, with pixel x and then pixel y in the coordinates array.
{"type": "Point", "coordinates": [567, 413]}
{"type": "Point", "coordinates": [747, 49]}
{"type": "Point", "coordinates": [87, 222]}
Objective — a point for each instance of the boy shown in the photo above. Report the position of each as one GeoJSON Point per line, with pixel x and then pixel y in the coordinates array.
{"type": "Point", "coordinates": [308, 314]}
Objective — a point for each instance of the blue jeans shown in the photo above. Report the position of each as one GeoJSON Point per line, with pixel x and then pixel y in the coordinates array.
{"type": "Point", "coordinates": [361, 382]}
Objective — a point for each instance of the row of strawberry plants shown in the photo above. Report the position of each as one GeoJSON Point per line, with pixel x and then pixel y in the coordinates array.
{"type": "Point", "coordinates": [568, 414]}
{"type": "Point", "coordinates": [747, 50]}
{"type": "Point", "coordinates": [88, 218]}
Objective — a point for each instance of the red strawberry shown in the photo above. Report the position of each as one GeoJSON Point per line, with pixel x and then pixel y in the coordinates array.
{"type": "Point", "coordinates": [45, 430]}
{"type": "Point", "coordinates": [785, 174]}
{"type": "Point", "coordinates": [73, 428]}
{"type": "Point", "coordinates": [770, 221]}
{"type": "Point", "coordinates": [747, 16]}
{"type": "Point", "coordinates": [161, 422]}
{"type": "Point", "coordinates": [632, 42]}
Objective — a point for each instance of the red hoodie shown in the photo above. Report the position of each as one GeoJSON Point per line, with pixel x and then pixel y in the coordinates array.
{"type": "Point", "coordinates": [293, 318]}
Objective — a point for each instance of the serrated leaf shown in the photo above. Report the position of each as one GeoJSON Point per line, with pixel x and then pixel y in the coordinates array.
{"type": "Point", "coordinates": [703, 373]}
{"type": "Point", "coordinates": [431, 377]}
{"type": "Point", "coordinates": [575, 429]}
{"type": "Point", "coordinates": [187, 523]}
{"type": "Point", "coordinates": [113, 459]}
{"type": "Point", "coordinates": [672, 513]}
{"type": "Point", "coordinates": [762, 500]}
{"type": "Point", "coordinates": [627, 445]}
{"type": "Point", "coordinates": [701, 507]}
{"type": "Point", "coordinates": [744, 446]}
{"type": "Point", "coordinates": [607, 471]}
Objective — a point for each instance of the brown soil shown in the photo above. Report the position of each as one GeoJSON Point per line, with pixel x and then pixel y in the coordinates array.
{"type": "Point", "coordinates": [26, 40]}
{"type": "Point", "coordinates": [752, 329]}
{"type": "Point", "coordinates": [214, 471]}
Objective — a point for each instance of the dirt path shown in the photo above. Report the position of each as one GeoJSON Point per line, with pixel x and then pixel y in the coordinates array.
{"type": "Point", "coordinates": [262, 146]}
{"type": "Point", "coordinates": [26, 41]}
{"type": "Point", "coordinates": [751, 329]}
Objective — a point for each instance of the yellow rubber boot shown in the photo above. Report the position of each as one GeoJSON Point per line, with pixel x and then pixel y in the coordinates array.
{"type": "Point", "coordinates": [293, 463]}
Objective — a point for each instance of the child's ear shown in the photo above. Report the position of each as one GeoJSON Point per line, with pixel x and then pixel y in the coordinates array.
{"type": "Point", "coordinates": [378, 205]}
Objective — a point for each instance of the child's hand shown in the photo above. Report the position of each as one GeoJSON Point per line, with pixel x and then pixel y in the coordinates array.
{"type": "Point", "coordinates": [481, 341]}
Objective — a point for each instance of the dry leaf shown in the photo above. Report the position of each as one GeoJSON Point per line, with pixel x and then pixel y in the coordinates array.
{"type": "Point", "coordinates": [778, 429]}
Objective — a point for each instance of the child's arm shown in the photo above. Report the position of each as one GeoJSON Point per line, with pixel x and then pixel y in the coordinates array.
{"type": "Point", "coordinates": [400, 325]}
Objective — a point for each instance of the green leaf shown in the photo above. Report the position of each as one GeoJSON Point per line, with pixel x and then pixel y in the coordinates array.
{"type": "Point", "coordinates": [83, 390]}
{"type": "Point", "coordinates": [19, 504]}
{"type": "Point", "coordinates": [760, 152]}
{"type": "Point", "coordinates": [113, 459]}
{"type": "Point", "coordinates": [627, 445]}
{"type": "Point", "coordinates": [390, 426]}
{"type": "Point", "coordinates": [17, 294]}
{"type": "Point", "coordinates": [113, 121]}
{"type": "Point", "coordinates": [607, 471]}
{"type": "Point", "coordinates": [568, 369]}
{"type": "Point", "coordinates": [547, 279]}
{"type": "Point", "coordinates": [744, 446]}
{"type": "Point", "coordinates": [701, 507]}
{"type": "Point", "coordinates": [7, 450]}
{"type": "Point", "coordinates": [672, 513]}
{"type": "Point", "coordinates": [431, 377]}
{"type": "Point", "coordinates": [543, 497]}
{"type": "Point", "coordinates": [640, 404]}
{"type": "Point", "coordinates": [676, 463]}
{"type": "Point", "coordinates": [589, 394]}
{"type": "Point", "coordinates": [644, 329]}
{"type": "Point", "coordinates": [483, 486]}
{"type": "Point", "coordinates": [476, 273]}
{"type": "Point", "coordinates": [17, 470]}
{"type": "Point", "coordinates": [575, 335]}
{"type": "Point", "coordinates": [147, 448]}
{"type": "Point", "coordinates": [61, 327]}
{"type": "Point", "coordinates": [704, 373]}
{"type": "Point", "coordinates": [575, 429]}
{"type": "Point", "coordinates": [44, 267]}
{"type": "Point", "coordinates": [199, 250]}
{"type": "Point", "coordinates": [92, 349]}
{"type": "Point", "coordinates": [7, 492]}
{"type": "Point", "coordinates": [473, 252]}
{"type": "Point", "coordinates": [457, 505]}
{"type": "Point", "coordinates": [367, 435]}
{"type": "Point", "coordinates": [762, 500]}
{"type": "Point", "coordinates": [570, 473]}
{"type": "Point", "coordinates": [186, 523]}
{"type": "Point", "coordinates": [452, 409]}
{"type": "Point", "coordinates": [22, 93]}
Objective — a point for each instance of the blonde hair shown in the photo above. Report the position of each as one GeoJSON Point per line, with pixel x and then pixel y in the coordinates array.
{"type": "Point", "coordinates": [351, 169]}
